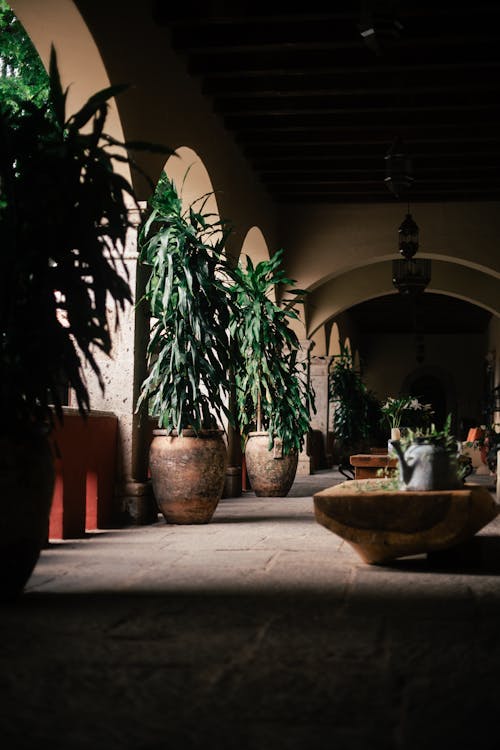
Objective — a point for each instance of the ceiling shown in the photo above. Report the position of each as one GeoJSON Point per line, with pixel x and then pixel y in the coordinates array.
{"type": "Point", "coordinates": [315, 106]}
{"type": "Point", "coordinates": [315, 100]}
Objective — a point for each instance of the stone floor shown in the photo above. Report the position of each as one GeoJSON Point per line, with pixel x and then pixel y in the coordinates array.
{"type": "Point", "coordinates": [258, 631]}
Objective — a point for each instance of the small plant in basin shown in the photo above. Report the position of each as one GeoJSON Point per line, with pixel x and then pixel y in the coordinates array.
{"type": "Point", "coordinates": [429, 459]}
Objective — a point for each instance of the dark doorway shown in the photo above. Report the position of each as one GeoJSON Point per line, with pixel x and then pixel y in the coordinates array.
{"type": "Point", "coordinates": [430, 390]}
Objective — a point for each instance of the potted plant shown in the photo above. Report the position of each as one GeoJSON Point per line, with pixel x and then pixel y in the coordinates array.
{"type": "Point", "coordinates": [187, 386]}
{"type": "Point", "coordinates": [408, 409]}
{"type": "Point", "coordinates": [429, 459]}
{"type": "Point", "coordinates": [64, 214]}
{"type": "Point", "coordinates": [274, 399]}
{"type": "Point", "coordinates": [356, 411]}
{"type": "Point", "coordinates": [486, 438]}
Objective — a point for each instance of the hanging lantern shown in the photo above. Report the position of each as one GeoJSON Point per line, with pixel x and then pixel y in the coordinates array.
{"type": "Point", "coordinates": [410, 277]}
{"type": "Point", "coordinates": [408, 237]}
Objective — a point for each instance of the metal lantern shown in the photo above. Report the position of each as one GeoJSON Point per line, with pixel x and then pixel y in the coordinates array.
{"type": "Point", "coordinates": [410, 277]}
{"type": "Point", "coordinates": [408, 237]}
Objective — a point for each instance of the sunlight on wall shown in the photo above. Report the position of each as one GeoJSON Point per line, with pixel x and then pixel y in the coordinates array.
{"type": "Point", "coordinates": [191, 179]}
{"type": "Point", "coordinates": [81, 66]}
{"type": "Point", "coordinates": [334, 343]}
{"type": "Point", "coordinates": [255, 246]}
{"type": "Point", "coordinates": [319, 348]}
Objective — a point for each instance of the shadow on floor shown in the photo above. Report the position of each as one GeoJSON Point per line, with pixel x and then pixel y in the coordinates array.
{"type": "Point", "coordinates": [478, 556]}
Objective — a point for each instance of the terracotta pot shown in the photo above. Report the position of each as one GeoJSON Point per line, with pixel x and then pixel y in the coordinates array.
{"type": "Point", "coordinates": [187, 474]}
{"type": "Point", "coordinates": [27, 479]}
{"type": "Point", "coordinates": [270, 473]}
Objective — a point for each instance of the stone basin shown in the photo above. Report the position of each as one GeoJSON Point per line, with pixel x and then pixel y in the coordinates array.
{"type": "Point", "coordinates": [381, 523]}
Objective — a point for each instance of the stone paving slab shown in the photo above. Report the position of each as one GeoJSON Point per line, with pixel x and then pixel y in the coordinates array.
{"type": "Point", "coordinates": [258, 631]}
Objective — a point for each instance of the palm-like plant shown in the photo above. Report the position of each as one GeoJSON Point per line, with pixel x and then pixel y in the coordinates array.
{"type": "Point", "coordinates": [64, 216]}
{"type": "Point", "coordinates": [189, 302]}
{"type": "Point", "coordinates": [271, 383]}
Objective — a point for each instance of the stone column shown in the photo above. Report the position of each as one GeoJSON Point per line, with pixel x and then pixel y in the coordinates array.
{"type": "Point", "coordinates": [319, 369]}
{"type": "Point", "coordinates": [304, 467]}
{"type": "Point", "coordinates": [123, 373]}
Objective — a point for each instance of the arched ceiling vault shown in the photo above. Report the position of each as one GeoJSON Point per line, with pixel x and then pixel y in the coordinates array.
{"type": "Point", "coordinates": [323, 242]}
{"type": "Point", "coordinates": [344, 291]}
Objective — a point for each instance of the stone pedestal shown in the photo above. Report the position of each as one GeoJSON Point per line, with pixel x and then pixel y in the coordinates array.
{"type": "Point", "coordinates": [382, 524]}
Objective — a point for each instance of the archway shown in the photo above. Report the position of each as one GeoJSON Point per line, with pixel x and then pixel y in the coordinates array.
{"type": "Point", "coordinates": [437, 387]}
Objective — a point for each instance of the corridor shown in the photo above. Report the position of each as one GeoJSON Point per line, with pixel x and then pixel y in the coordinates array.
{"type": "Point", "coordinates": [258, 631]}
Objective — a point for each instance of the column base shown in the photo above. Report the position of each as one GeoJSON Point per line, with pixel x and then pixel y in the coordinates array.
{"type": "Point", "coordinates": [138, 503]}
{"type": "Point", "coordinates": [304, 466]}
{"type": "Point", "coordinates": [232, 482]}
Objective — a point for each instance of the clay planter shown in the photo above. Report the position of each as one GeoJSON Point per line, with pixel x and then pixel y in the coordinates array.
{"type": "Point", "coordinates": [187, 474]}
{"type": "Point", "coordinates": [270, 473]}
{"type": "Point", "coordinates": [26, 487]}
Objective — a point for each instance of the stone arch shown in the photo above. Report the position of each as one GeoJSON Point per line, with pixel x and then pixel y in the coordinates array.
{"type": "Point", "coordinates": [319, 343]}
{"type": "Point", "coordinates": [330, 241]}
{"type": "Point", "coordinates": [255, 246]}
{"type": "Point", "coordinates": [191, 178]}
{"type": "Point", "coordinates": [334, 343]}
{"type": "Point", "coordinates": [339, 294]}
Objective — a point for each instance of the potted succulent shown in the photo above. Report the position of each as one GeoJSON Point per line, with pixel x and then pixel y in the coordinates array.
{"type": "Point", "coordinates": [187, 386]}
{"type": "Point", "coordinates": [274, 399]}
{"type": "Point", "coordinates": [64, 214]}
{"type": "Point", "coordinates": [429, 459]}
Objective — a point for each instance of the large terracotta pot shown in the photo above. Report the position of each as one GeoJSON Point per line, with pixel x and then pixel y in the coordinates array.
{"type": "Point", "coordinates": [187, 474]}
{"type": "Point", "coordinates": [27, 478]}
{"type": "Point", "coordinates": [270, 473]}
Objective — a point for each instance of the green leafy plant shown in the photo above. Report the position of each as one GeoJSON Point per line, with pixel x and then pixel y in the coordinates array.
{"type": "Point", "coordinates": [189, 302]}
{"type": "Point", "coordinates": [432, 436]}
{"type": "Point", "coordinates": [443, 438]}
{"type": "Point", "coordinates": [357, 409]}
{"type": "Point", "coordinates": [406, 409]}
{"type": "Point", "coordinates": [488, 441]}
{"type": "Point", "coordinates": [64, 215]}
{"type": "Point", "coordinates": [272, 391]}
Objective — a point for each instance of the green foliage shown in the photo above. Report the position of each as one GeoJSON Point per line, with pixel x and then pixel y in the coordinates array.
{"type": "Point", "coordinates": [189, 301]}
{"type": "Point", "coordinates": [22, 75]}
{"type": "Point", "coordinates": [432, 436]}
{"type": "Point", "coordinates": [357, 409]}
{"type": "Point", "coordinates": [444, 439]}
{"type": "Point", "coordinates": [271, 386]}
{"type": "Point", "coordinates": [408, 411]}
{"type": "Point", "coordinates": [64, 214]}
